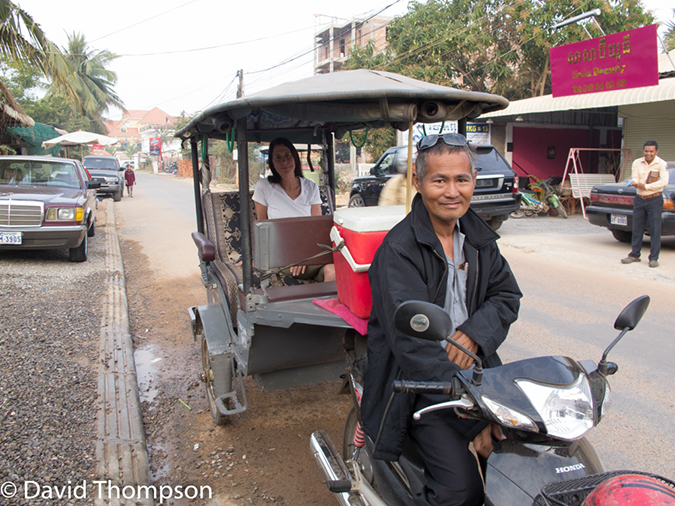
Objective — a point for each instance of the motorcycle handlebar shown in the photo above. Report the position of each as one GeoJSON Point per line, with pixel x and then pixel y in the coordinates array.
{"type": "Point", "coordinates": [424, 387]}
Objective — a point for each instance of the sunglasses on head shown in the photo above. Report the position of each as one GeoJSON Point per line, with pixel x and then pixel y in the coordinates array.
{"type": "Point", "coordinates": [451, 139]}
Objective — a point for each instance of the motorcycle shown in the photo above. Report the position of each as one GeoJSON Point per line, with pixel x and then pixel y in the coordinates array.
{"type": "Point", "coordinates": [542, 197]}
{"type": "Point", "coordinates": [545, 406]}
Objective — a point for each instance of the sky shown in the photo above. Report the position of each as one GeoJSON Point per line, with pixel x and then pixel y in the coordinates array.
{"type": "Point", "coordinates": [183, 55]}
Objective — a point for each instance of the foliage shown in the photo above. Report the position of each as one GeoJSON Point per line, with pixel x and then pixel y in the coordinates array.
{"type": "Point", "coordinates": [21, 80]}
{"type": "Point", "coordinates": [377, 142]}
{"type": "Point", "coordinates": [130, 149]}
{"type": "Point", "coordinates": [58, 109]}
{"type": "Point", "coordinates": [92, 81]}
{"type": "Point", "coordinates": [669, 38]}
{"type": "Point", "coordinates": [23, 42]}
{"type": "Point", "coordinates": [498, 46]}
{"type": "Point", "coordinates": [226, 168]}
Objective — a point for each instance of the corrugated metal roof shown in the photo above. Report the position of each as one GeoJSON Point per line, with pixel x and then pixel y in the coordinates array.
{"type": "Point", "coordinates": [665, 90]}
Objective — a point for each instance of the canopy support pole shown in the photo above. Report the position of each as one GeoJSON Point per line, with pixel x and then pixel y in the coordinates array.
{"type": "Point", "coordinates": [196, 181]}
{"type": "Point", "coordinates": [330, 155]}
{"type": "Point", "coordinates": [242, 162]}
{"type": "Point", "coordinates": [408, 185]}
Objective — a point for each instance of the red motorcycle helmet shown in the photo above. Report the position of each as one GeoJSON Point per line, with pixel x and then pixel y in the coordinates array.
{"type": "Point", "coordinates": [631, 490]}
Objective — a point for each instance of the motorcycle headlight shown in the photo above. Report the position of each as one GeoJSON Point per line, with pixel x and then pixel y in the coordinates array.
{"type": "Point", "coordinates": [509, 417]}
{"type": "Point", "coordinates": [606, 401]}
{"type": "Point", "coordinates": [567, 412]}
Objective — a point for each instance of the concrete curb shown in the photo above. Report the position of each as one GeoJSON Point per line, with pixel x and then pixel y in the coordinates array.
{"type": "Point", "coordinates": [121, 448]}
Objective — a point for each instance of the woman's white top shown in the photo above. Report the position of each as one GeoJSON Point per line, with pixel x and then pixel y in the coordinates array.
{"type": "Point", "coordinates": [280, 205]}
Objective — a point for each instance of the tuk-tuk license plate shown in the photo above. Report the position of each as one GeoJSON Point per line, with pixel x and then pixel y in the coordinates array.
{"type": "Point", "coordinates": [618, 219]}
{"type": "Point", "coordinates": [10, 237]}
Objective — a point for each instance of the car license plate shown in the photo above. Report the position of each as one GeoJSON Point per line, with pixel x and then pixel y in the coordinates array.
{"type": "Point", "coordinates": [618, 219]}
{"type": "Point", "coordinates": [10, 237]}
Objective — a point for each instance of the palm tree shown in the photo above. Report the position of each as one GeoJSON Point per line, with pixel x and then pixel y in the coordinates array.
{"type": "Point", "coordinates": [34, 48]}
{"type": "Point", "coordinates": [93, 82]}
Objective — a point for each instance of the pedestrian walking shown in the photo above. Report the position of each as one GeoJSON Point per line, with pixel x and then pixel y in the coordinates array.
{"type": "Point", "coordinates": [130, 179]}
{"type": "Point", "coordinates": [650, 178]}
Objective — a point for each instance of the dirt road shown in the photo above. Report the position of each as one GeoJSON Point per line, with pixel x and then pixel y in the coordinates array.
{"type": "Point", "coordinates": [263, 455]}
{"type": "Point", "coordinates": [574, 287]}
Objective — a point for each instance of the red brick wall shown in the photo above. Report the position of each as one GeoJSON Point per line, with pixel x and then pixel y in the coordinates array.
{"type": "Point", "coordinates": [185, 168]}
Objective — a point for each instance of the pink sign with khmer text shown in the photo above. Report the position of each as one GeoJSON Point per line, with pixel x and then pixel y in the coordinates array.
{"type": "Point", "coordinates": [614, 62]}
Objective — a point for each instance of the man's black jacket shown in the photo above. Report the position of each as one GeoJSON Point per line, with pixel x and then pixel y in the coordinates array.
{"type": "Point", "coordinates": [411, 265]}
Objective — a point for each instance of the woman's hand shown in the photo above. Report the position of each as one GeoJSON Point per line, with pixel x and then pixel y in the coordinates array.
{"type": "Point", "coordinates": [297, 270]}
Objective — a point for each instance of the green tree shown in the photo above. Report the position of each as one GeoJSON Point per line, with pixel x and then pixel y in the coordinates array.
{"type": "Point", "coordinates": [130, 149]}
{"type": "Point", "coordinates": [92, 80]}
{"type": "Point", "coordinates": [23, 42]}
{"type": "Point", "coordinates": [376, 143]}
{"type": "Point", "coordinates": [536, 36]}
{"type": "Point", "coordinates": [669, 38]}
{"type": "Point", "coordinates": [497, 46]}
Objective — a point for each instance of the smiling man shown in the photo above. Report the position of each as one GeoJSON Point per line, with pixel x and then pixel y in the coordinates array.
{"type": "Point", "coordinates": [444, 253]}
{"type": "Point", "coordinates": [650, 177]}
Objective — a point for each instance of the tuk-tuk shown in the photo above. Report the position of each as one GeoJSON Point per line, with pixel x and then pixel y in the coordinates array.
{"type": "Point", "coordinates": [258, 322]}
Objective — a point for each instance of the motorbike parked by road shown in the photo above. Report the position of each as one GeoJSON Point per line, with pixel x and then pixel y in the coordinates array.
{"type": "Point", "coordinates": [545, 406]}
{"type": "Point", "coordinates": [541, 197]}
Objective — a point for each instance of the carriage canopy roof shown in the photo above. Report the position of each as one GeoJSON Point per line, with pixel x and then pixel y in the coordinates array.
{"type": "Point", "coordinates": [340, 102]}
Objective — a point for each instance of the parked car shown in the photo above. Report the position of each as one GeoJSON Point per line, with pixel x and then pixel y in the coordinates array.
{"type": "Point", "coordinates": [611, 206]}
{"type": "Point", "coordinates": [107, 171]}
{"type": "Point", "coordinates": [495, 197]}
{"type": "Point", "coordinates": [46, 203]}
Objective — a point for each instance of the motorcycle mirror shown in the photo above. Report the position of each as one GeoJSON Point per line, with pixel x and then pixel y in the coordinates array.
{"type": "Point", "coordinates": [428, 321]}
{"type": "Point", "coordinates": [627, 320]}
{"type": "Point", "coordinates": [422, 319]}
{"type": "Point", "coordinates": [632, 313]}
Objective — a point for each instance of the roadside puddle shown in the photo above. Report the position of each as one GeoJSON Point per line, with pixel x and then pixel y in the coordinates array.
{"type": "Point", "coordinates": [146, 360]}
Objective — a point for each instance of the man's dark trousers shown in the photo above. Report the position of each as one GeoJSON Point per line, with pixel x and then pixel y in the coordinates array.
{"type": "Point", "coordinates": [451, 469]}
{"type": "Point", "coordinates": [647, 211]}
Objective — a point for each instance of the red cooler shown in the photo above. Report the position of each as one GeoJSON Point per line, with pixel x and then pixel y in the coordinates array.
{"type": "Point", "coordinates": [362, 230]}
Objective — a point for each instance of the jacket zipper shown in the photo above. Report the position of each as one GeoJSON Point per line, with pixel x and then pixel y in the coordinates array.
{"type": "Point", "coordinates": [445, 275]}
{"type": "Point", "coordinates": [475, 288]}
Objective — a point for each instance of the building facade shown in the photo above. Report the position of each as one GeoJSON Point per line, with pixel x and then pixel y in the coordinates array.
{"type": "Point", "coordinates": [332, 45]}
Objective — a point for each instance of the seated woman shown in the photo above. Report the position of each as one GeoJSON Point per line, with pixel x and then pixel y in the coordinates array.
{"type": "Point", "coordinates": [288, 194]}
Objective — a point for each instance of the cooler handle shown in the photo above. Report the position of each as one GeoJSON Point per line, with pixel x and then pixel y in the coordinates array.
{"type": "Point", "coordinates": [342, 248]}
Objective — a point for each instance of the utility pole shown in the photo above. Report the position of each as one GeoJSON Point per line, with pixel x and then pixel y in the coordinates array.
{"type": "Point", "coordinates": [240, 88]}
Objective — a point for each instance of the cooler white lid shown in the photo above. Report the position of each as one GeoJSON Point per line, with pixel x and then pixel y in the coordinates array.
{"type": "Point", "coordinates": [369, 219]}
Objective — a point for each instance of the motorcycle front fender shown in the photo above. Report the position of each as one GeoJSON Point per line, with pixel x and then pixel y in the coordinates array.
{"type": "Point", "coordinates": [517, 471]}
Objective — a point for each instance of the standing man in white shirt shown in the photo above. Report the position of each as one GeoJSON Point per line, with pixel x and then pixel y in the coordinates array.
{"type": "Point", "coordinates": [650, 177]}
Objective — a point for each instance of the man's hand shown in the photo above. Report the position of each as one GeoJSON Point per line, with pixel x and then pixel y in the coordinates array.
{"type": "Point", "coordinates": [456, 355]}
{"type": "Point", "coordinates": [297, 269]}
{"type": "Point", "coordinates": [483, 441]}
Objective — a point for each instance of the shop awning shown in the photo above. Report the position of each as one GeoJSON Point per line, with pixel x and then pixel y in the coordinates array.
{"type": "Point", "coordinates": [547, 103]}
{"type": "Point", "coordinates": [34, 136]}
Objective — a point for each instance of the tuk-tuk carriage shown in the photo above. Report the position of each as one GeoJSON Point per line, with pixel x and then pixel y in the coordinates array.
{"type": "Point", "coordinates": [258, 322]}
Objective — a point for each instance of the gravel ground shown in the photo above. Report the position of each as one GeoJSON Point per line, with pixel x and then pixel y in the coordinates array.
{"type": "Point", "coordinates": [49, 347]}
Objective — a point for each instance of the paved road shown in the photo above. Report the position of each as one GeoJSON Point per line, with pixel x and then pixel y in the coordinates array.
{"type": "Point", "coordinates": [574, 287]}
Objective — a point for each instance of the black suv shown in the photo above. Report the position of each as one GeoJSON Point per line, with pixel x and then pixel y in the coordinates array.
{"type": "Point", "coordinates": [107, 171]}
{"type": "Point", "coordinates": [495, 197]}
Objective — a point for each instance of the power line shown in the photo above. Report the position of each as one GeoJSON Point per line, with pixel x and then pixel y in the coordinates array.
{"type": "Point", "coordinates": [146, 20]}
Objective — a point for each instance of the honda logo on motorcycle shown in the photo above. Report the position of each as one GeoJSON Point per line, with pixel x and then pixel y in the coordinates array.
{"type": "Point", "coordinates": [569, 469]}
{"type": "Point", "coordinates": [419, 323]}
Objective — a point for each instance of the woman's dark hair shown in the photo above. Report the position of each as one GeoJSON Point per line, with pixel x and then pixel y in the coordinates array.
{"type": "Point", "coordinates": [282, 141]}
